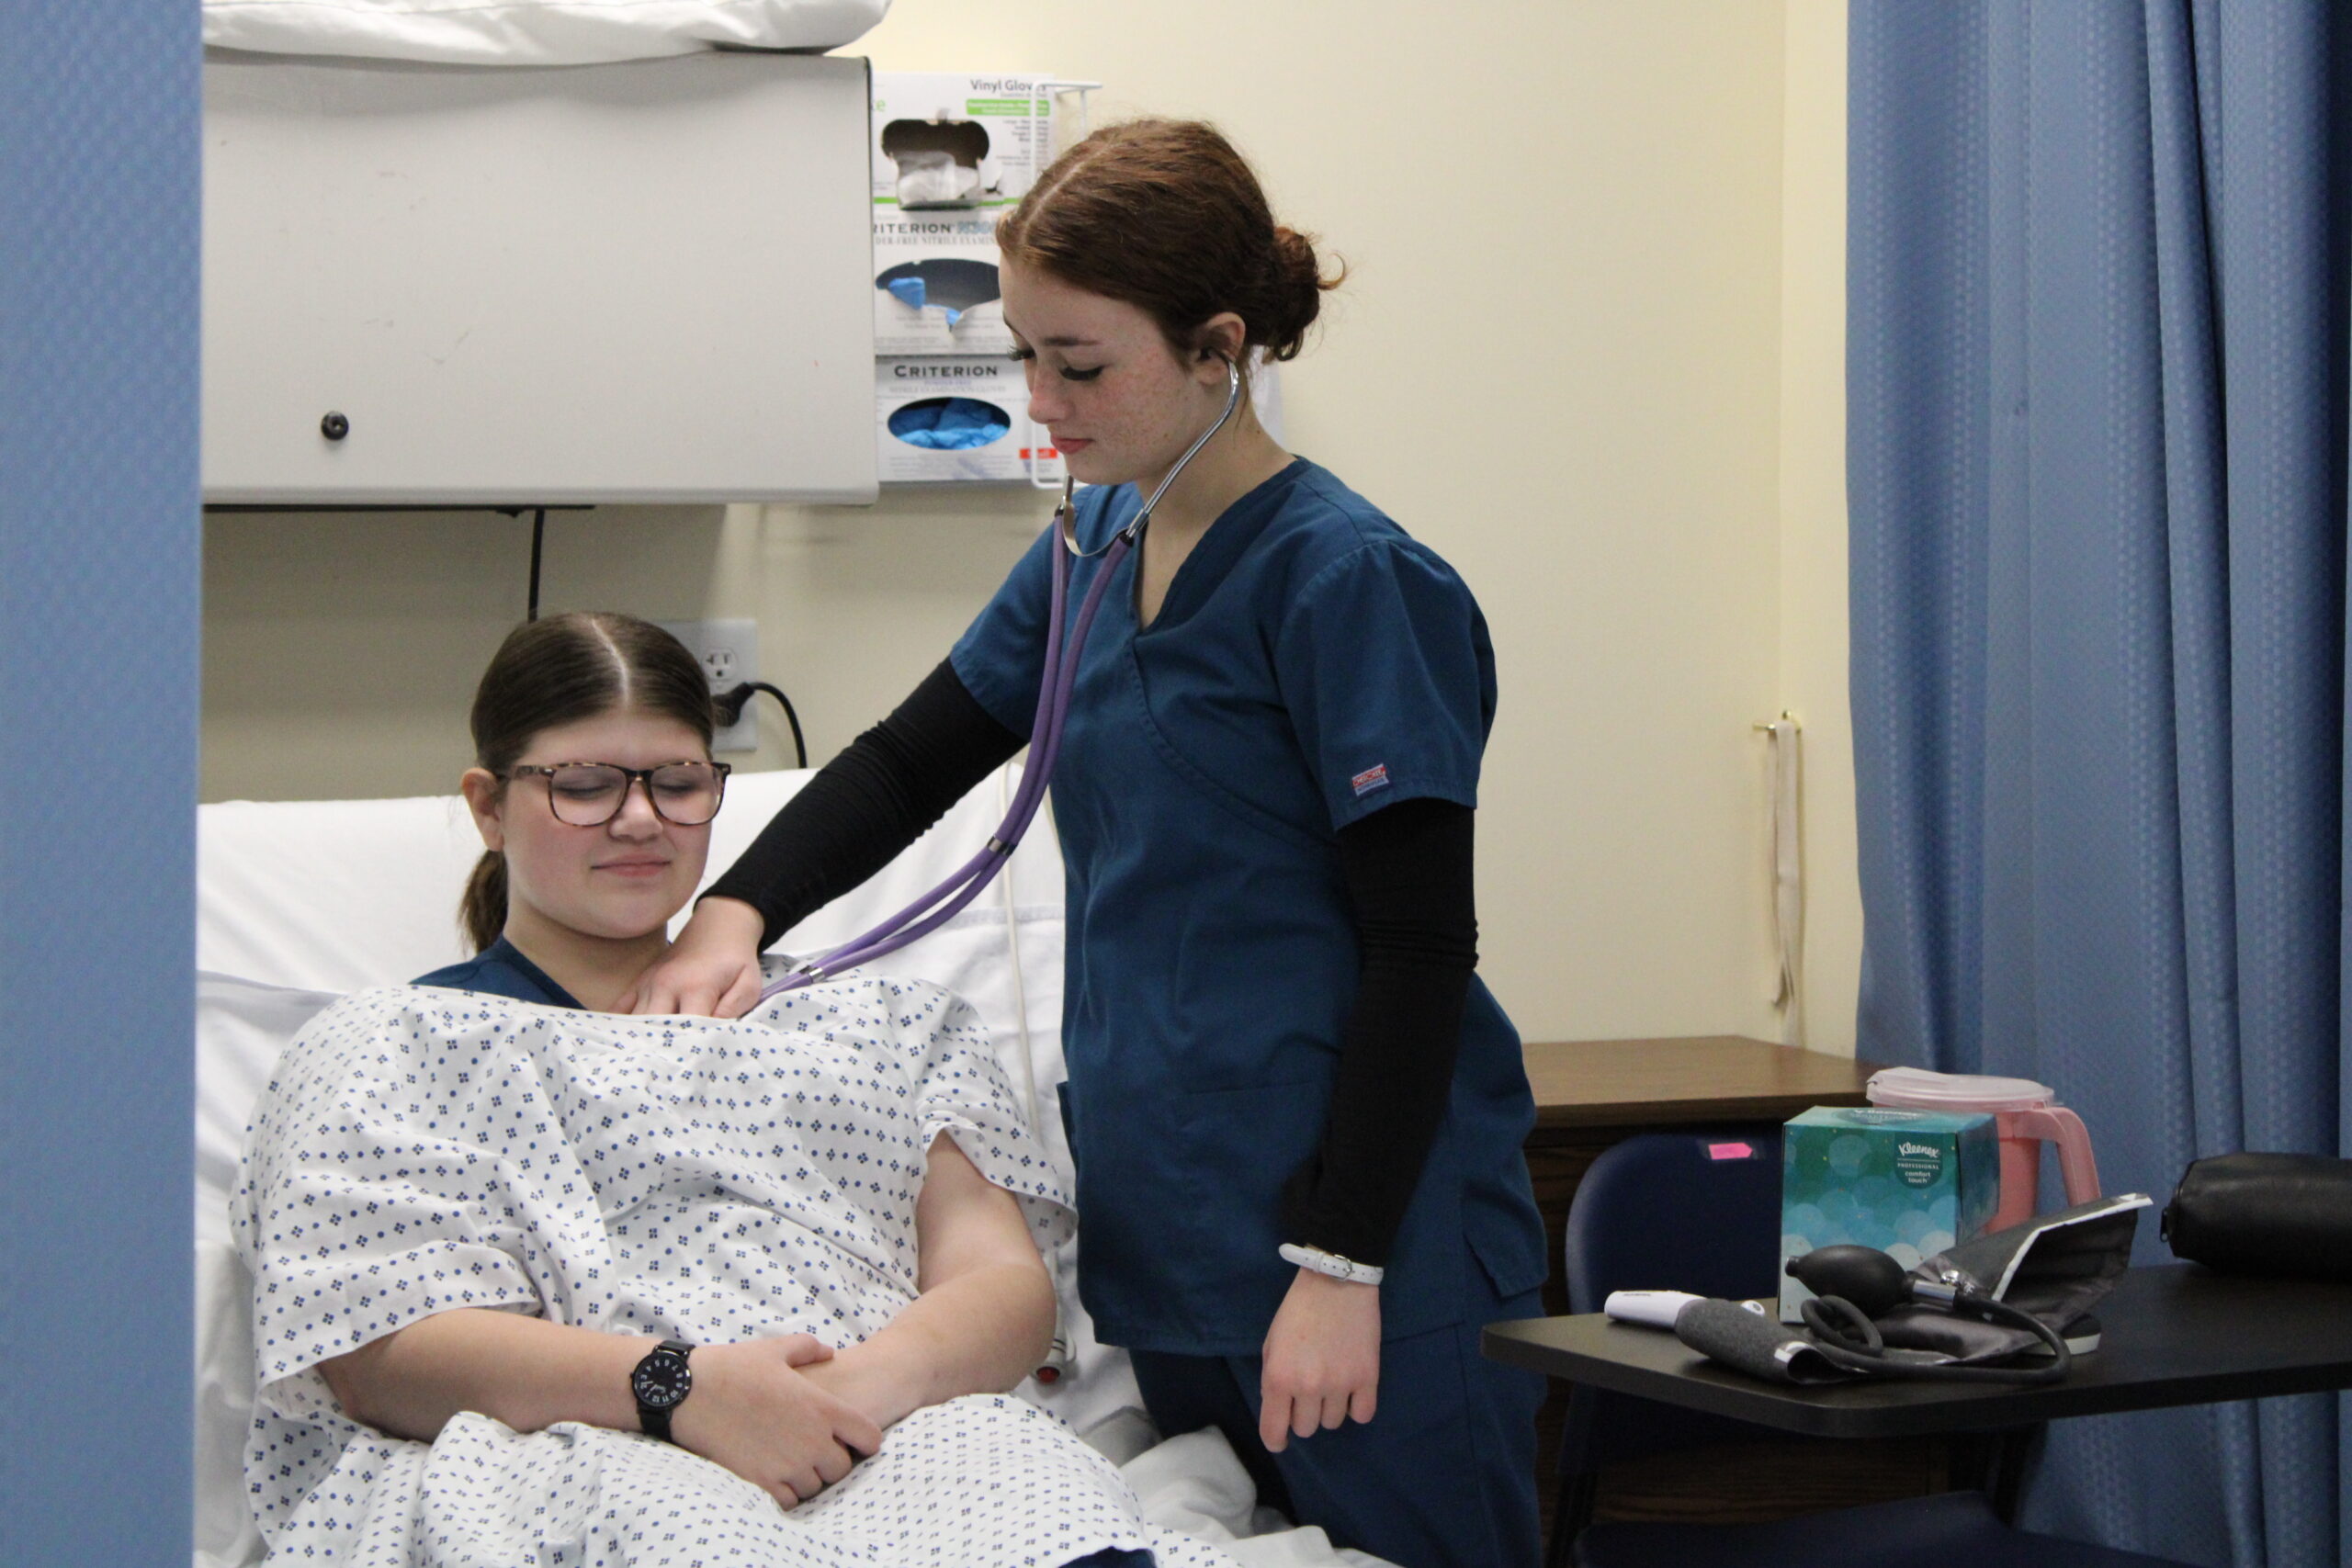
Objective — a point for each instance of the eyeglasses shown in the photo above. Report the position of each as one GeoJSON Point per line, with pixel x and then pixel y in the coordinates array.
{"type": "Point", "coordinates": [589, 794]}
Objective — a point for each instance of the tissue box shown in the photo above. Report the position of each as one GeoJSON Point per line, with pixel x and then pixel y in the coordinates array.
{"type": "Point", "coordinates": [951, 154]}
{"type": "Point", "coordinates": [913, 401]}
{"type": "Point", "coordinates": [1910, 1183]}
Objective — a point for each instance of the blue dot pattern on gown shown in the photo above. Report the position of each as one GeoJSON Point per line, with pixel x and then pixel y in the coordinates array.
{"type": "Point", "coordinates": [420, 1149]}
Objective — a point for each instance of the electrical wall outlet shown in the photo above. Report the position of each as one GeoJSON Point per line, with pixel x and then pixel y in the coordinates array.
{"type": "Point", "coordinates": [728, 652]}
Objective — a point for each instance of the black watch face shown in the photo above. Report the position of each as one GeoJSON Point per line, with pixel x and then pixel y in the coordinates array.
{"type": "Point", "coordinates": [661, 1380]}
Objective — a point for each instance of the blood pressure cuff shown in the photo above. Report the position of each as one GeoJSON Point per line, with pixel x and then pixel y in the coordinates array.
{"type": "Point", "coordinates": [2264, 1214]}
{"type": "Point", "coordinates": [1759, 1346]}
{"type": "Point", "coordinates": [1953, 1336]}
{"type": "Point", "coordinates": [2054, 1265]}
{"type": "Point", "coordinates": [1727, 1332]}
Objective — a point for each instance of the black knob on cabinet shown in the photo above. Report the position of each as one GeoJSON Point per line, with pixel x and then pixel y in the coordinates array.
{"type": "Point", "coordinates": [334, 427]}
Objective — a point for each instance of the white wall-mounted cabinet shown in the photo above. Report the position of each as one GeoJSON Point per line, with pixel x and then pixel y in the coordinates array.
{"type": "Point", "coordinates": [644, 282]}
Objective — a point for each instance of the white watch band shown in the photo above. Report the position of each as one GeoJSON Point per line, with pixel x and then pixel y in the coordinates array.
{"type": "Point", "coordinates": [1333, 1264]}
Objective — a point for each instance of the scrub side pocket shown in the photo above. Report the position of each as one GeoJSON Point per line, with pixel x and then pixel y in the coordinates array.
{"type": "Point", "coordinates": [1512, 1254]}
{"type": "Point", "coordinates": [1238, 1147]}
{"type": "Point", "coordinates": [1241, 1147]}
{"type": "Point", "coordinates": [1151, 1266]}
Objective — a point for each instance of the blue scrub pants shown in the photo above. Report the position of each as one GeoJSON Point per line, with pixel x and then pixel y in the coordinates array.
{"type": "Point", "coordinates": [1443, 1476]}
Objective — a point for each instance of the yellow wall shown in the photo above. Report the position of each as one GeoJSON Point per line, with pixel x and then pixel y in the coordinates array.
{"type": "Point", "coordinates": [1812, 505]}
{"type": "Point", "coordinates": [1589, 350]}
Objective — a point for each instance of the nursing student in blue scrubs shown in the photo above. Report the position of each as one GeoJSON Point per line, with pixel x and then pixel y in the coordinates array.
{"type": "Point", "coordinates": [1297, 1112]}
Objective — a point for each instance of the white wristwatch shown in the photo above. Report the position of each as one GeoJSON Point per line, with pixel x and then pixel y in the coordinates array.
{"type": "Point", "coordinates": [1333, 1264]}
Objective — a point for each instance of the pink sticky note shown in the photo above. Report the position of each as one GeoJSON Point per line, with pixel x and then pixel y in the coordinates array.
{"type": "Point", "coordinates": [1731, 1151]}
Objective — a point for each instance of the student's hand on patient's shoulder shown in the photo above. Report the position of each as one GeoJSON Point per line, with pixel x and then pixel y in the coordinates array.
{"type": "Point", "coordinates": [1322, 1358]}
{"type": "Point", "coordinates": [713, 969]}
{"type": "Point", "coordinates": [752, 1411]}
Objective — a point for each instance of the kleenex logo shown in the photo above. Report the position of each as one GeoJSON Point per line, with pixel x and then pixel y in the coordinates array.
{"type": "Point", "coordinates": [1928, 1151]}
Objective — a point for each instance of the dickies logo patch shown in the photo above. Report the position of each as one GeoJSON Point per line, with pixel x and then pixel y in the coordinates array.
{"type": "Point", "coordinates": [1372, 778]}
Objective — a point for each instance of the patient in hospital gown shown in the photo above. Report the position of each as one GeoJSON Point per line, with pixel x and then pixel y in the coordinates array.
{"type": "Point", "coordinates": [420, 1149]}
{"type": "Point", "coordinates": [472, 1206]}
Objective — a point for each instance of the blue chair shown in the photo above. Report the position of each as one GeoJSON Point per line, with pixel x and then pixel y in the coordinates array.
{"type": "Point", "coordinates": [1700, 1211]}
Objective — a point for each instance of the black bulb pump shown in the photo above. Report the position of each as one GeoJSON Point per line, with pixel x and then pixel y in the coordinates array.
{"type": "Point", "coordinates": [1864, 1275]}
{"type": "Point", "coordinates": [1851, 1285]}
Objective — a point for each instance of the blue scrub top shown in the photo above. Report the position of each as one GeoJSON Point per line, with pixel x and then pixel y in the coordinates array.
{"type": "Point", "coordinates": [1310, 665]}
{"type": "Point", "coordinates": [500, 970]}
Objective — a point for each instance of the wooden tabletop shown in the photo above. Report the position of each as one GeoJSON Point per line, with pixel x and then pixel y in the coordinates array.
{"type": "Point", "coordinates": [1709, 1077]}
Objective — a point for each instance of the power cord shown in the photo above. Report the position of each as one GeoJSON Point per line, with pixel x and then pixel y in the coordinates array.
{"type": "Point", "coordinates": [538, 543]}
{"type": "Point", "coordinates": [727, 707]}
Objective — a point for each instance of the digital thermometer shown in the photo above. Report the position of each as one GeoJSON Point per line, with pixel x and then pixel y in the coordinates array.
{"type": "Point", "coordinates": [1659, 1309]}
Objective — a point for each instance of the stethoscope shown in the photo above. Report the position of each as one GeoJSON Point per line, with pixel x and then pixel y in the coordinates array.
{"type": "Point", "coordinates": [947, 900]}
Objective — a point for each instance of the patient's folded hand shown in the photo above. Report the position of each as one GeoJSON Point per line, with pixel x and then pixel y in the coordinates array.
{"type": "Point", "coordinates": [755, 1412]}
{"type": "Point", "coordinates": [869, 1379]}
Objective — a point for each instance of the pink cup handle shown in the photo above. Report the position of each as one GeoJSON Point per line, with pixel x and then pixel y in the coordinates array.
{"type": "Point", "coordinates": [2062, 1127]}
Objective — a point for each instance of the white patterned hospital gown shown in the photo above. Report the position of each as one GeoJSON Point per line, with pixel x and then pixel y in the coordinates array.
{"type": "Point", "coordinates": [420, 1149]}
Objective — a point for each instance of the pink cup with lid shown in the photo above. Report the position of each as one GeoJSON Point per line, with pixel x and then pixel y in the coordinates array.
{"type": "Point", "coordinates": [2025, 1113]}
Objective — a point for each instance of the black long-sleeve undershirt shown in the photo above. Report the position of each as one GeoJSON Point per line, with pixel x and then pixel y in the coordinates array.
{"type": "Point", "coordinates": [1407, 868]}
{"type": "Point", "coordinates": [1407, 873]}
{"type": "Point", "coordinates": [869, 803]}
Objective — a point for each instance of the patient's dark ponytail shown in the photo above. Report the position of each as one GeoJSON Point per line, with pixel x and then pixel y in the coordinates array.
{"type": "Point", "coordinates": [482, 911]}
{"type": "Point", "coordinates": [559, 671]}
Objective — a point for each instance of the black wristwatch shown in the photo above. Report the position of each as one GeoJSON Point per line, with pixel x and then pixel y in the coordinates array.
{"type": "Point", "coordinates": [660, 1382]}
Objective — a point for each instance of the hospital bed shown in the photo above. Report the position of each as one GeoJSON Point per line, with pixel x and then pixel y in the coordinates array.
{"type": "Point", "coordinates": [299, 901]}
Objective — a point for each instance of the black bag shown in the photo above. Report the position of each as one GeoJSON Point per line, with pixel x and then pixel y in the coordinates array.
{"type": "Point", "coordinates": [2260, 1213]}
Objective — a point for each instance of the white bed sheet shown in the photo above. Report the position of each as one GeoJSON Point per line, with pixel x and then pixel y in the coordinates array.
{"type": "Point", "coordinates": [533, 32]}
{"type": "Point", "coordinates": [300, 901]}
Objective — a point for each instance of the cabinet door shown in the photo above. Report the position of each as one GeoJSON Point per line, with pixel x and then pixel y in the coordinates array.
{"type": "Point", "coordinates": [643, 282]}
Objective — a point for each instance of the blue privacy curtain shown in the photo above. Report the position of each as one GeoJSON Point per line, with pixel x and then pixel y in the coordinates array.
{"type": "Point", "coordinates": [100, 141]}
{"type": "Point", "coordinates": [2097, 464]}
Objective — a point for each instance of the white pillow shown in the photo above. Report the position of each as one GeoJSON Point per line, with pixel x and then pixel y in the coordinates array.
{"type": "Point", "coordinates": [240, 1029]}
{"type": "Point", "coordinates": [331, 896]}
{"type": "Point", "coordinates": [226, 1536]}
{"type": "Point", "coordinates": [533, 32]}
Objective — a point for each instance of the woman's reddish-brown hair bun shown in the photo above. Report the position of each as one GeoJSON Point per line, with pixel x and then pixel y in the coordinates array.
{"type": "Point", "coordinates": [1167, 216]}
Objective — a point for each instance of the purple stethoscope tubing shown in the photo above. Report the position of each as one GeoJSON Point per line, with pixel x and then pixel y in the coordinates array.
{"type": "Point", "coordinates": [947, 900]}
